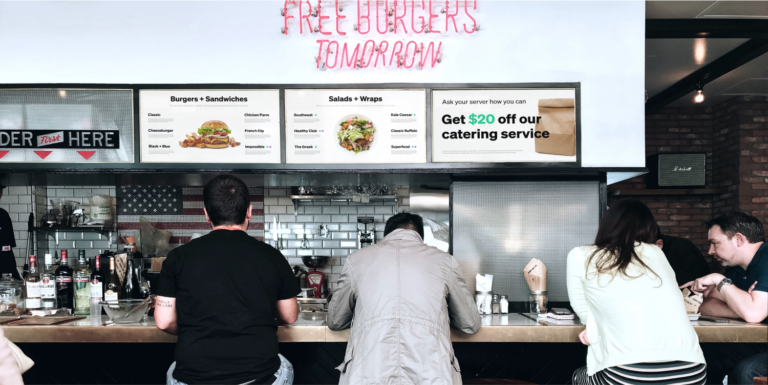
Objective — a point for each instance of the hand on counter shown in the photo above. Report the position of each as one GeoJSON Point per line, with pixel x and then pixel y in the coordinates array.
{"type": "Point", "coordinates": [583, 337]}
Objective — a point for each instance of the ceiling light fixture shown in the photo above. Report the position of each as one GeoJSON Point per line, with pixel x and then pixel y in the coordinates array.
{"type": "Point", "coordinates": [699, 94]}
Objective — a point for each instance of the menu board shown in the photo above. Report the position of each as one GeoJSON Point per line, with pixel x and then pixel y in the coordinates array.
{"type": "Point", "coordinates": [210, 126]}
{"type": "Point", "coordinates": [504, 125]}
{"type": "Point", "coordinates": [355, 126]}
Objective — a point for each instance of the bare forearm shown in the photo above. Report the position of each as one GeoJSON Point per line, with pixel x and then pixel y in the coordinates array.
{"type": "Point", "coordinates": [717, 308]}
{"type": "Point", "coordinates": [750, 307]}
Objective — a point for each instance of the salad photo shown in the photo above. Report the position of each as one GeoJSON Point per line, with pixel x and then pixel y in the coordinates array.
{"type": "Point", "coordinates": [356, 133]}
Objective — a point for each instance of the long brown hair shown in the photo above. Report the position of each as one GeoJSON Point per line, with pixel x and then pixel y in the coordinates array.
{"type": "Point", "coordinates": [627, 222]}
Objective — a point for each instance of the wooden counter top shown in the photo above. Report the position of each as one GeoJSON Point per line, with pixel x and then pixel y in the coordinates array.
{"type": "Point", "coordinates": [496, 328]}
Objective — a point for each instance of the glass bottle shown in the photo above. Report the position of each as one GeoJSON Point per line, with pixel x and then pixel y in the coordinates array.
{"type": "Point", "coordinates": [113, 291]}
{"type": "Point", "coordinates": [48, 285]}
{"type": "Point", "coordinates": [82, 285]}
{"type": "Point", "coordinates": [504, 304]}
{"type": "Point", "coordinates": [495, 305]}
{"type": "Point", "coordinates": [130, 282]}
{"type": "Point", "coordinates": [538, 302]}
{"type": "Point", "coordinates": [32, 286]}
{"type": "Point", "coordinates": [65, 291]}
{"type": "Point", "coordinates": [97, 287]}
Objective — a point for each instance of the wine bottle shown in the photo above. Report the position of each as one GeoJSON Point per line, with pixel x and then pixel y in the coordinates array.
{"type": "Point", "coordinates": [112, 288]}
{"type": "Point", "coordinates": [130, 282]}
{"type": "Point", "coordinates": [82, 285]}
{"type": "Point", "coordinates": [32, 285]}
{"type": "Point", "coordinates": [97, 280]}
{"type": "Point", "coordinates": [48, 285]}
{"type": "Point", "coordinates": [65, 291]}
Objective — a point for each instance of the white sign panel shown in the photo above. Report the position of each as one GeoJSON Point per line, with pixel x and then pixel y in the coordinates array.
{"type": "Point", "coordinates": [355, 126]}
{"type": "Point", "coordinates": [210, 126]}
{"type": "Point", "coordinates": [504, 126]}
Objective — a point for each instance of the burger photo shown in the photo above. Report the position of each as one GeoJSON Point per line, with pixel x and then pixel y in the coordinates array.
{"type": "Point", "coordinates": [215, 134]}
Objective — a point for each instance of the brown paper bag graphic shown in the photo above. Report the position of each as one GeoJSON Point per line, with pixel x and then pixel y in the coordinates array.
{"type": "Point", "coordinates": [558, 117]}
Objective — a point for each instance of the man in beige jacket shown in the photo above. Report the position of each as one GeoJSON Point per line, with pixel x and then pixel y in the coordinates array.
{"type": "Point", "coordinates": [400, 297]}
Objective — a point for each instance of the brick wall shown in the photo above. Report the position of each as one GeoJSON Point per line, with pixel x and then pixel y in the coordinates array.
{"type": "Point", "coordinates": [752, 112]}
{"type": "Point", "coordinates": [678, 130]}
{"type": "Point", "coordinates": [734, 134]}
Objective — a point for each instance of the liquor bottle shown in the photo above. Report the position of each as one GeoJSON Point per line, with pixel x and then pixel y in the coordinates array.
{"type": "Point", "coordinates": [48, 285]}
{"type": "Point", "coordinates": [65, 291]}
{"type": "Point", "coordinates": [32, 285]}
{"type": "Point", "coordinates": [112, 288]}
{"type": "Point", "coordinates": [82, 285]}
{"type": "Point", "coordinates": [130, 282]}
{"type": "Point", "coordinates": [97, 287]}
{"type": "Point", "coordinates": [97, 280]}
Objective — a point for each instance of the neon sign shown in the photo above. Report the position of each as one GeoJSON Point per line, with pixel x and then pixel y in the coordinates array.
{"type": "Point", "coordinates": [398, 21]}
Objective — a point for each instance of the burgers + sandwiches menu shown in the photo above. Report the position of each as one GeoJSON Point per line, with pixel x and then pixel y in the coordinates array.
{"type": "Point", "coordinates": [210, 126]}
{"type": "Point", "coordinates": [347, 126]}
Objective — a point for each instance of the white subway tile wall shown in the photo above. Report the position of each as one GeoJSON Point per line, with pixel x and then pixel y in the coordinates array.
{"type": "Point", "coordinates": [339, 217]}
{"type": "Point", "coordinates": [91, 242]}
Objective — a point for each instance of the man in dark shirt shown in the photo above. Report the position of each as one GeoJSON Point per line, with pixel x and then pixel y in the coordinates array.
{"type": "Point", "coordinates": [7, 243]}
{"type": "Point", "coordinates": [223, 295]}
{"type": "Point", "coordinates": [685, 258]}
{"type": "Point", "coordinates": [737, 241]}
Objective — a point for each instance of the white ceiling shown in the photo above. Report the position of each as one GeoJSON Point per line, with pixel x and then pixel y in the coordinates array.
{"type": "Point", "coordinates": [669, 60]}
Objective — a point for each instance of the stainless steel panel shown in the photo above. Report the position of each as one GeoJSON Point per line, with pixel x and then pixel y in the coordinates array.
{"type": "Point", "coordinates": [499, 226]}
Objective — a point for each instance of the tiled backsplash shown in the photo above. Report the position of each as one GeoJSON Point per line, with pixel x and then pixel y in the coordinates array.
{"type": "Point", "coordinates": [339, 217]}
{"type": "Point", "coordinates": [269, 204]}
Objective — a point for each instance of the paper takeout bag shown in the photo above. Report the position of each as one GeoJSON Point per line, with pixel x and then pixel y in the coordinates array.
{"type": "Point", "coordinates": [558, 117]}
{"type": "Point", "coordinates": [157, 264]}
{"type": "Point", "coordinates": [535, 273]}
{"type": "Point", "coordinates": [692, 302]}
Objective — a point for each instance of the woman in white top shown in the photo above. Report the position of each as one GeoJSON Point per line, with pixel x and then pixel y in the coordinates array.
{"type": "Point", "coordinates": [624, 290]}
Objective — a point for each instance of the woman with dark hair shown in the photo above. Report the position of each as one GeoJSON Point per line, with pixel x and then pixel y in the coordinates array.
{"type": "Point", "coordinates": [625, 291]}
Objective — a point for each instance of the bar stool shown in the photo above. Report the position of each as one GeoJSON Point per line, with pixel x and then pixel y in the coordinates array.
{"type": "Point", "coordinates": [496, 381]}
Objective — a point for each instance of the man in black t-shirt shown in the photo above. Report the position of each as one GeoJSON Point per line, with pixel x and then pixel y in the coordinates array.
{"type": "Point", "coordinates": [223, 295]}
{"type": "Point", "coordinates": [737, 241]}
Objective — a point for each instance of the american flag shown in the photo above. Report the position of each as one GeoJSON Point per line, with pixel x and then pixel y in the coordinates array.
{"type": "Point", "coordinates": [176, 209]}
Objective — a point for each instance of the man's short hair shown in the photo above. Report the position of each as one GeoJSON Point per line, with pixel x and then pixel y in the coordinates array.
{"type": "Point", "coordinates": [405, 221]}
{"type": "Point", "coordinates": [739, 222]}
{"type": "Point", "coordinates": [226, 200]}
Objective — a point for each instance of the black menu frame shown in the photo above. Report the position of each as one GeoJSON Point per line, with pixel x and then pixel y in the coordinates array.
{"type": "Point", "coordinates": [428, 167]}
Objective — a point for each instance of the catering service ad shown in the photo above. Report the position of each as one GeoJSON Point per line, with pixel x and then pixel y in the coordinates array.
{"type": "Point", "coordinates": [210, 126]}
{"type": "Point", "coordinates": [347, 126]}
{"type": "Point", "coordinates": [504, 126]}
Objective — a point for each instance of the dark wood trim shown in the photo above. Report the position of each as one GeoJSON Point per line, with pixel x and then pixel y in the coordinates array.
{"type": "Point", "coordinates": [707, 28]}
{"type": "Point", "coordinates": [721, 66]}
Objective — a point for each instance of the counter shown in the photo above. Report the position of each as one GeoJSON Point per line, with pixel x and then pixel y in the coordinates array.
{"type": "Point", "coordinates": [311, 328]}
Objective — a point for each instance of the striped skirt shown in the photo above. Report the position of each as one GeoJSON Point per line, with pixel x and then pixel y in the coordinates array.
{"type": "Point", "coordinates": [674, 372]}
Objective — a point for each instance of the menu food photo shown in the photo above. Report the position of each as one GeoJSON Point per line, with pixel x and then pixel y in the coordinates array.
{"type": "Point", "coordinates": [355, 126]}
{"type": "Point", "coordinates": [210, 126]}
{"type": "Point", "coordinates": [505, 125]}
